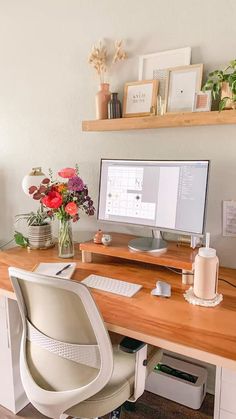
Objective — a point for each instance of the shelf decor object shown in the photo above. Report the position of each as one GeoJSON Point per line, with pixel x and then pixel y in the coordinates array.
{"type": "Point", "coordinates": [114, 107]}
{"type": "Point", "coordinates": [181, 86]}
{"type": "Point", "coordinates": [187, 119]}
{"type": "Point", "coordinates": [202, 102]}
{"type": "Point", "coordinates": [100, 61]}
{"type": "Point", "coordinates": [222, 85]}
{"type": "Point", "coordinates": [102, 99]}
{"type": "Point", "coordinates": [154, 66]}
{"type": "Point", "coordinates": [140, 98]}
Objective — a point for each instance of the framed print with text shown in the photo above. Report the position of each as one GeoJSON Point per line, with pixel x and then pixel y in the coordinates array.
{"type": "Point", "coordinates": [140, 98]}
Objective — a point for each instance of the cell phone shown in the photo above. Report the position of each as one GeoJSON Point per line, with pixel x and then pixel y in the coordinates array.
{"type": "Point", "coordinates": [130, 345]}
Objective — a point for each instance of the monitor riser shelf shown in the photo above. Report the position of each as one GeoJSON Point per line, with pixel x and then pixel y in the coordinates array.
{"type": "Point", "coordinates": [177, 257]}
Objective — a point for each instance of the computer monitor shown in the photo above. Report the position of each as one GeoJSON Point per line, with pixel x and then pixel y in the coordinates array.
{"type": "Point", "coordinates": [161, 194]}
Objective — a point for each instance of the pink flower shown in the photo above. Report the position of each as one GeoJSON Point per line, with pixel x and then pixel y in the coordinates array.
{"type": "Point", "coordinates": [71, 208]}
{"type": "Point", "coordinates": [67, 173]}
{"type": "Point", "coordinates": [76, 184]}
{"type": "Point", "coordinates": [52, 200]}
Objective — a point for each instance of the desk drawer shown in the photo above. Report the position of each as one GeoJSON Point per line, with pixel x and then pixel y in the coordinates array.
{"type": "Point", "coordinates": [228, 376]}
{"type": "Point", "coordinates": [228, 399]}
{"type": "Point", "coordinates": [226, 415]}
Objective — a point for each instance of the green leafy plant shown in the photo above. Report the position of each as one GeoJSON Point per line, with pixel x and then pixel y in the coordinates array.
{"type": "Point", "coordinates": [215, 80]}
{"type": "Point", "coordinates": [20, 239]}
{"type": "Point", "coordinates": [38, 218]}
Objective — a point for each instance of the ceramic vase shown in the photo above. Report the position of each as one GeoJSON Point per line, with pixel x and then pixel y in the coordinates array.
{"type": "Point", "coordinates": [227, 92]}
{"type": "Point", "coordinates": [102, 98]}
{"type": "Point", "coordinates": [114, 107]}
{"type": "Point", "coordinates": [65, 239]}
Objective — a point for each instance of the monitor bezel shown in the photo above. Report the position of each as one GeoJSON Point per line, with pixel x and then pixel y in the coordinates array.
{"type": "Point", "coordinates": [168, 230]}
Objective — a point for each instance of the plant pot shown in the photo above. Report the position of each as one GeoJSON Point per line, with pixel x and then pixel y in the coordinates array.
{"type": "Point", "coordinates": [40, 237]}
{"type": "Point", "coordinates": [227, 92]}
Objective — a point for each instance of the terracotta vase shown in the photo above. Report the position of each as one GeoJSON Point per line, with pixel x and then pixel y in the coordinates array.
{"type": "Point", "coordinates": [102, 98]}
{"type": "Point", "coordinates": [227, 92]}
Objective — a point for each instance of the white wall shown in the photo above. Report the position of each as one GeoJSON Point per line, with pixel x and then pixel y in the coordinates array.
{"type": "Point", "coordinates": [47, 88]}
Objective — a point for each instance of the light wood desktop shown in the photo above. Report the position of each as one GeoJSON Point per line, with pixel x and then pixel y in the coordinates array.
{"type": "Point", "coordinates": [207, 334]}
{"type": "Point", "coordinates": [170, 323]}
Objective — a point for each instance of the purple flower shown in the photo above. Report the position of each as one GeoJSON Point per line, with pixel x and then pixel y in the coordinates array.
{"type": "Point", "coordinates": [75, 184]}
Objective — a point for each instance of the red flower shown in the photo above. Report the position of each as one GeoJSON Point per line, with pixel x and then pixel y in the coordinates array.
{"type": "Point", "coordinates": [52, 200]}
{"type": "Point", "coordinates": [67, 173]}
{"type": "Point", "coordinates": [71, 208]}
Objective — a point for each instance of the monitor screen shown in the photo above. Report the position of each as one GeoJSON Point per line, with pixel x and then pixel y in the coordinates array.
{"type": "Point", "coordinates": [167, 195]}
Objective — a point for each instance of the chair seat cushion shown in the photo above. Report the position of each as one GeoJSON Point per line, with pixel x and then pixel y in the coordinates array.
{"type": "Point", "coordinates": [119, 388]}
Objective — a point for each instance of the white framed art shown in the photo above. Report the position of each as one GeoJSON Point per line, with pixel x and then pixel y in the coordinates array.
{"type": "Point", "coordinates": [140, 98]}
{"type": "Point", "coordinates": [154, 66]}
{"type": "Point", "coordinates": [181, 86]}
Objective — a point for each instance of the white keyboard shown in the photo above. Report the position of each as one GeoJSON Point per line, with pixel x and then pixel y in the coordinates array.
{"type": "Point", "coordinates": [115, 286]}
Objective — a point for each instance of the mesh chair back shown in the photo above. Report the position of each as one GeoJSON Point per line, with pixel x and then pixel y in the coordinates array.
{"type": "Point", "coordinates": [66, 353]}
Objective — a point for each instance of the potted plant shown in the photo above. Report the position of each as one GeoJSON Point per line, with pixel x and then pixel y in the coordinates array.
{"type": "Point", "coordinates": [222, 84]}
{"type": "Point", "coordinates": [39, 230]}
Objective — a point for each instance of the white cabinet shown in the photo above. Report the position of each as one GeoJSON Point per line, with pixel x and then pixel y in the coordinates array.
{"type": "Point", "coordinates": [225, 395]}
{"type": "Point", "coordinates": [12, 395]}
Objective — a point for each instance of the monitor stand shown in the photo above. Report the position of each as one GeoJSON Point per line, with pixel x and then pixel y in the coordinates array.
{"type": "Point", "coordinates": [147, 244]}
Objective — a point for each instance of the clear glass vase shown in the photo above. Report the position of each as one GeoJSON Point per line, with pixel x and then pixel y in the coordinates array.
{"type": "Point", "coordinates": [65, 239]}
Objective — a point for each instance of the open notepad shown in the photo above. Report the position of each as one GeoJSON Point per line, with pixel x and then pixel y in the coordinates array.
{"type": "Point", "coordinates": [50, 269]}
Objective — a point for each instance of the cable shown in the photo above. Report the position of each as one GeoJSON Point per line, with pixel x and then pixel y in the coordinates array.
{"type": "Point", "coordinates": [177, 272]}
{"type": "Point", "coordinates": [5, 244]}
{"type": "Point", "coordinates": [227, 282]}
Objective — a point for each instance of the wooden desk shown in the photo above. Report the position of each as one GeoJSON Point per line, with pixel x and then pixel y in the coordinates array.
{"type": "Point", "coordinates": [207, 334]}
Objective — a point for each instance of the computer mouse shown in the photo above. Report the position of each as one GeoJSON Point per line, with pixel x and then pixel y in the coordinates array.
{"type": "Point", "coordinates": [163, 289]}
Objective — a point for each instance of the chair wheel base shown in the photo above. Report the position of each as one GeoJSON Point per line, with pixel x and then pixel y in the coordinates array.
{"type": "Point", "coordinates": [129, 407]}
{"type": "Point", "coordinates": [115, 414]}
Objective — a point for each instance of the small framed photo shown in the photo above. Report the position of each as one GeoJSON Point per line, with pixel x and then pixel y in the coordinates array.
{"type": "Point", "coordinates": [154, 66]}
{"type": "Point", "coordinates": [202, 102]}
{"type": "Point", "coordinates": [140, 98]}
{"type": "Point", "coordinates": [182, 85]}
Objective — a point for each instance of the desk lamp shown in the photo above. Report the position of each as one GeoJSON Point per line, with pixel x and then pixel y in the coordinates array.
{"type": "Point", "coordinates": [35, 177]}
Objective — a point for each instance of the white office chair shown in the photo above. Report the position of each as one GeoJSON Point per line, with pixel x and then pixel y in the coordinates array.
{"type": "Point", "coordinates": [68, 365]}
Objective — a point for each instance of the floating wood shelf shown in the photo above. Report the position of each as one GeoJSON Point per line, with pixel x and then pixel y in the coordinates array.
{"type": "Point", "coordinates": [187, 119]}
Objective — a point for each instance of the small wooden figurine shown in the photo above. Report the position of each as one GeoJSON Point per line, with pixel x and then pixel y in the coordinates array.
{"type": "Point", "coordinates": [98, 237]}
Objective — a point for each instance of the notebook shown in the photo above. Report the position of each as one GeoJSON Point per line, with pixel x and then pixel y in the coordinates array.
{"type": "Point", "coordinates": [50, 269]}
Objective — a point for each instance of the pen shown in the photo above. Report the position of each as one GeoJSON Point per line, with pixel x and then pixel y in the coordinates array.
{"type": "Point", "coordinates": [63, 269]}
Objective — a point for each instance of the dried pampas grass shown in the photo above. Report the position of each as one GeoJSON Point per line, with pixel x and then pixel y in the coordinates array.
{"type": "Point", "coordinates": [98, 58]}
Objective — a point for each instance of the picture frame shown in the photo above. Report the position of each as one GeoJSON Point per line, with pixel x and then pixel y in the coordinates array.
{"type": "Point", "coordinates": [154, 66]}
{"type": "Point", "coordinates": [202, 101]}
{"type": "Point", "coordinates": [181, 86]}
{"type": "Point", "coordinates": [140, 98]}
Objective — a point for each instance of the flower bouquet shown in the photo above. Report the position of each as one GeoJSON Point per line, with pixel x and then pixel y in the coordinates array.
{"type": "Point", "coordinates": [64, 200]}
